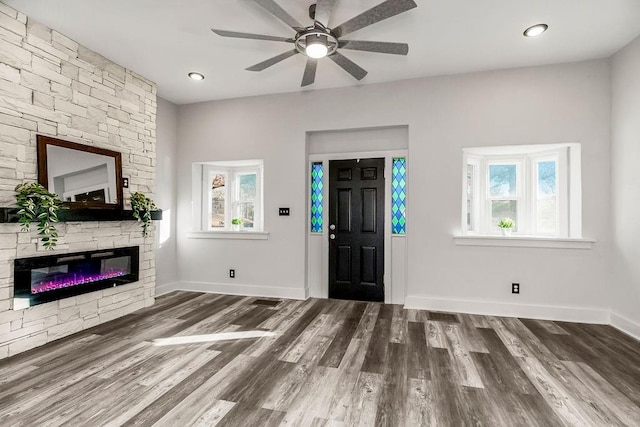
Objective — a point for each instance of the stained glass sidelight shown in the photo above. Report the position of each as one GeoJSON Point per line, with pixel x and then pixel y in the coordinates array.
{"type": "Point", "coordinates": [399, 195]}
{"type": "Point", "coordinates": [317, 174]}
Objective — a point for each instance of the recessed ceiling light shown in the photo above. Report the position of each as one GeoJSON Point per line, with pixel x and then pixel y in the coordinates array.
{"type": "Point", "coordinates": [535, 30]}
{"type": "Point", "coordinates": [196, 76]}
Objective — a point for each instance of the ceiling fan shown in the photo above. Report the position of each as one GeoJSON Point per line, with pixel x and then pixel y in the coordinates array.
{"type": "Point", "coordinates": [318, 40]}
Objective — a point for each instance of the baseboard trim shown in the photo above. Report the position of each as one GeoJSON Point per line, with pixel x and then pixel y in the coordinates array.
{"type": "Point", "coordinates": [491, 308]}
{"type": "Point", "coordinates": [487, 308]}
{"type": "Point", "coordinates": [165, 288]}
{"type": "Point", "coordinates": [625, 325]}
{"type": "Point", "coordinates": [225, 288]}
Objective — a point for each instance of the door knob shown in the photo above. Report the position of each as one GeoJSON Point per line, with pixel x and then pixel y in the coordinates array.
{"type": "Point", "coordinates": [332, 227]}
{"type": "Point", "coordinates": [332, 236]}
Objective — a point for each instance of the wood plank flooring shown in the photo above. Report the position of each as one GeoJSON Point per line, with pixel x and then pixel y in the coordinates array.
{"type": "Point", "coordinates": [327, 362]}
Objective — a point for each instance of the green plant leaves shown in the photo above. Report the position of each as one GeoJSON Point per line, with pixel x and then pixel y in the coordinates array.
{"type": "Point", "coordinates": [38, 204]}
{"type": "Point", "coordinates": [142, 207]}
{"type": "Point", "coordinates": [506, 223]}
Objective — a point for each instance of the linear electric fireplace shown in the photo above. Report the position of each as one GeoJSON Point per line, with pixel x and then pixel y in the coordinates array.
{"type": "Point", "coordinates": [49, 278]}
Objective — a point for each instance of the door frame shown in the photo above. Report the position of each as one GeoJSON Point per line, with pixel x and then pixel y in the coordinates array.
{"type": "Point", "coordinates": [393, 292]}
{"type": "Point", "coordinates": [350, 234]}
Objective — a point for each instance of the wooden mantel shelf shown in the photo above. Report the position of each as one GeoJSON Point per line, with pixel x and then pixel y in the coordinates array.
{"type": "Point", "coordinates": [8, 215]}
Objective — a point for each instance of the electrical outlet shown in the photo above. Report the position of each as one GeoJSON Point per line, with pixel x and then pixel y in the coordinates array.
{"type": "Point", "coordinates": [515, 288]}
{"type": "Point", "coordinates": [283, 211]}
{"type": "Point", "coordinates": [232, 273]}
{"type": "Point", "coordinates": [125, 182]}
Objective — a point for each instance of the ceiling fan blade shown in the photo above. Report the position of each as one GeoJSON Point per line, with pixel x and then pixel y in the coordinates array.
{"type": "Point", "coordinates": [349, 66]}
{"type": "Point", "coordinates": [323, 11]}
{"type": "Point", "coordinates": [279, 13]}
{"type": "Point", "coordinates": [272, 61]}
{"type": "Point", "coordinates": [377, 13]}
{"type": "Point", "coordinates": [309, 75]}
{"type": "Point", "coordinates": [379, 47]}
{"type": "Point", "coordinates": [225, 33]}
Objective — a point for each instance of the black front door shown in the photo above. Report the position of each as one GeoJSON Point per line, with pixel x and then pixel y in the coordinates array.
{"type": "Point", "coordinates": [356, 229]}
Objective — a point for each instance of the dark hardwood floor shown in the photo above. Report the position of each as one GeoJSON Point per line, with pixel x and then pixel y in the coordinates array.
{"type": "Point", "coordinates": [328, 362]}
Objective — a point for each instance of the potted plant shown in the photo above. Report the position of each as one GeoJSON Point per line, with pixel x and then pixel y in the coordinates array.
{"type": "Point", "coordinates": [36, 203]}
{"type": "Point", "coordinates": [142, 207]}
{"type": "Point", "coordinates": [236, 223]}
{"type": "Point", "coordinates": [506, 225]}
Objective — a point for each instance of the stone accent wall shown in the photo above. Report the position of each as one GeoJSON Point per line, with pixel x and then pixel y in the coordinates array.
{"type": "Point", "coordinates": [50, 85]}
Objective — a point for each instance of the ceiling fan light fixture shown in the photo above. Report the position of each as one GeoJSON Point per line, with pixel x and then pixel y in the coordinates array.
{"type": "Point", "coordinates": [535, 30]}
{"type": "Point", "coordinates": [318, 40]}
{"type": "Point", "coordinates": [316, 46]}
{"type": "Point", "coordinates": [196, 76]}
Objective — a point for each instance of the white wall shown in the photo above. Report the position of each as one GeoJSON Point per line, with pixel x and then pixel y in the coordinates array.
{"type": "Point", "coordinates": [550, 104]}
{"type": "Point", "coordinates": [625, 195]}
{"type": "Point", "coordinates": [166, 152]}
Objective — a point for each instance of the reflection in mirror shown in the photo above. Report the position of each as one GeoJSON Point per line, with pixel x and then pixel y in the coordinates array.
{"type": "Point", "coordinates": [81, 175]}
{"type": "Point", "coordinates": [77, 176]}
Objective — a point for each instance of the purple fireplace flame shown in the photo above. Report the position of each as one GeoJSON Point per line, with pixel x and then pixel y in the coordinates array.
{"type": "Point", "coordinates": [43, 279]}
{"type": "Point", "coordinates": [73, 280]}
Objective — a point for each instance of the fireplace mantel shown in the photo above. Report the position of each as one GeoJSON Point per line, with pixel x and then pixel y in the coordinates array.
{"type": "Point", "coordinates": [10, 215]}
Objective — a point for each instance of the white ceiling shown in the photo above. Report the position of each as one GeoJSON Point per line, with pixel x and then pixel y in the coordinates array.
{"type": "Point", "coordinates": [165, 39]}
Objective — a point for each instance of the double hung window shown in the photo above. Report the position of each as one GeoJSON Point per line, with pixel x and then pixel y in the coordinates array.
{"type": "Point", "coordinates": [231, 195]}
{"type": "Point", "coordinates": [528, 184]}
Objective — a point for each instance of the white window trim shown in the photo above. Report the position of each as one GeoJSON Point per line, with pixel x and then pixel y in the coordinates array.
{"type": "Point", "coordinates": [201, 194]}
{"type": "Point", "coordinates": [232, 190]}
{"type": "Point", "coordinates": [475, 191]}
{"type": "Point", "coordinates": [524, 242]}
{"type": "Point", "coordinates": [207, 172]}
{"type": "Point", "coordinates": [485, 199]}
{"type": "Point", "coordinates": [569, 195]}
{"type": "Point", "coordinates": [225, 234]}
{"type": "Point", "coordinates": [562, 190]}
{"type": "Point", "coordinates": [235, 200]}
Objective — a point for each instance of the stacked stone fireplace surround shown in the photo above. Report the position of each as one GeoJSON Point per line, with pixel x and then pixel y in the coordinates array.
{"type": "Point", "coordinates": [52, 86]}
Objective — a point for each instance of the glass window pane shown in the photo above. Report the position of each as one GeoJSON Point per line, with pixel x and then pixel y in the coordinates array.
{"type": "Point", "coordinates": [547, 215]}
{"type": "Point", "coordinates": [504, 209]}
{"type": "Point", "coordinates": [470, 169]}
{"type": "Point", "coordinates": [398, 195]}
{"type": "Point", "coordinates": [546, 178]}
{"type": "Point", "coordinates": [218, 190]}
{"type": "Point", "coordinates": [246, 211]}
{"type": "Point", "coordinates": [247, 187]}
{"type": "Point", "coordinates": [502, 180]}
{"type": "Point", "coordinates": [317, 173]}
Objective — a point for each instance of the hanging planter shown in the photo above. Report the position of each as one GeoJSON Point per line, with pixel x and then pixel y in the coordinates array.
{"type": "Point", "coordinates": [142, 207]}
{"type": "Point", "coordinates": [37, 204]}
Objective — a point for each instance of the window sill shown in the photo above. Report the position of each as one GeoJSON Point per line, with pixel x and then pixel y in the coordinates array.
{"type": "Point", "coordinates": [238, 235]}
{"type": "Point", "coordinates": [524, 242]}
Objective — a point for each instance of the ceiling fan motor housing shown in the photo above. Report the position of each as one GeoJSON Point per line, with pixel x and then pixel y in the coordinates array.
{"type": "Point", "coordinates": [313, 34]}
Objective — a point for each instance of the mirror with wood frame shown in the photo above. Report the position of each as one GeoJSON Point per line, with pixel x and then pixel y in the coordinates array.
{"type": "Point", "coordinates": [81, 175]}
